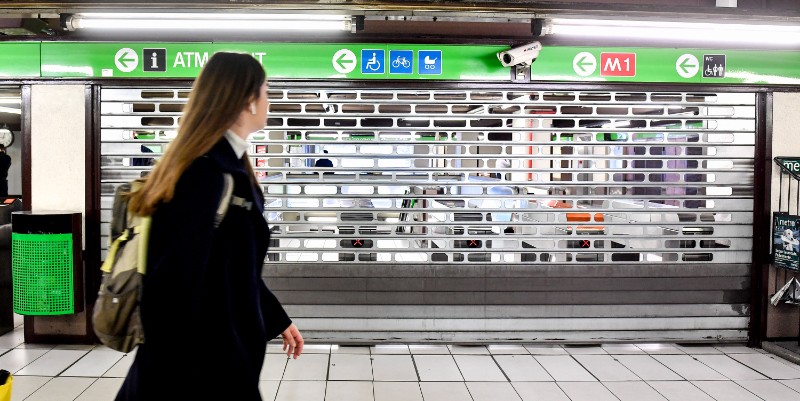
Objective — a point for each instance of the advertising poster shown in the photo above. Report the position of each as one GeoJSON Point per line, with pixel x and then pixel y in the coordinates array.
{"type": "Point", "coordinates": [785, 243]}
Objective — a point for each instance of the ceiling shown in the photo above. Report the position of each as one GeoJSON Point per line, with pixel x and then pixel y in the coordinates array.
{"type": "Point", "coordinates": [400, 19]}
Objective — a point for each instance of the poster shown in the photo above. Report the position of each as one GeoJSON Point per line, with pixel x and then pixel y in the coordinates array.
{"type": "Point", "coordinates": [785, 243]}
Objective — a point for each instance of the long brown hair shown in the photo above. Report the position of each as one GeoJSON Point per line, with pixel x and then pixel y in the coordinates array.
{"type": "Point", "coordinates": [226, 85]}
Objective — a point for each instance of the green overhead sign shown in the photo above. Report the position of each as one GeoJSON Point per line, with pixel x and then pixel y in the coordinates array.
{"type": "Point", "coordinates": [367, 61]}
{"type": "Point", "coordinates": [19, 59]}
{"type": "Point", "coordinates": [281, 60]}
{"type": "Point", "coordinates": [684, 66]}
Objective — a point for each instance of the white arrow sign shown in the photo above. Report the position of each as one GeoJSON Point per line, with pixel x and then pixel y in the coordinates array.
{"type": "Point", "coordinates": [126, 59]}
{"type": "Point", "coordinates": [687, 66]}
{"type": "Point", "coordinates": [344, 61]}
{"type": "Point", "coordinates": [584, 64]}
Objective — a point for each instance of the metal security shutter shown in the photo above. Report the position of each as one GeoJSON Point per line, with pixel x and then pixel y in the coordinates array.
{"type": "Point", "coordinates": [490, 213]}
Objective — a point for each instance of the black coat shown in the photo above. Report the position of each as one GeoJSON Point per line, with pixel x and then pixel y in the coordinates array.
{"type": "Point", "coordinates": [206, 311]}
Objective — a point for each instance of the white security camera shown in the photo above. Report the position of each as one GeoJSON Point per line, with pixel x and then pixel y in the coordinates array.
{"type": "Point", "coordinates": [520, 55]}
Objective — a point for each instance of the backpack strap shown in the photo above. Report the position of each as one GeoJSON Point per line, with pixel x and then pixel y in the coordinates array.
{"type": "Point", "coordinates": [225, 201]}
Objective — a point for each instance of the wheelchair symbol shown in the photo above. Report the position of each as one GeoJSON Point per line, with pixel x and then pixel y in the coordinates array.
{"type": "Point", "coordinates": [373, 64]}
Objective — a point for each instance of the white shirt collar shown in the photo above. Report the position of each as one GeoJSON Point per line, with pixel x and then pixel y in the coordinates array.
{"type": "Point", "coordinates": [238, 144]}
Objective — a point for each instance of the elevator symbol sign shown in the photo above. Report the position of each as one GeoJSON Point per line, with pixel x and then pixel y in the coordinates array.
{"type": "Point", "coordinates": [126, 59]}
{"type": "Point", "coordinates": [154, 60]}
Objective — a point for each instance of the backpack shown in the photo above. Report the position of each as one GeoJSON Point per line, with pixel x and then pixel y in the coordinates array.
{"type": "Point", "coordinates": [116, 319]}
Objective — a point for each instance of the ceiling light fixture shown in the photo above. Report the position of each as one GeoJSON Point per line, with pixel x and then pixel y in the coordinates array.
{"type": "Point", "coordinates": [217, 22]}
{"type": "Point", "coordinates": [736, 33]}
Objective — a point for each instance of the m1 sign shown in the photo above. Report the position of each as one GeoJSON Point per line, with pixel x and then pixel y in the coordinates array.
{"type": "Point", "coordinates": [618, 64]}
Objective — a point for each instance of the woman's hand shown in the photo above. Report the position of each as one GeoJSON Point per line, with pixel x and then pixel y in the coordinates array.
{"type": "Point", "coordinates": [292, 341]}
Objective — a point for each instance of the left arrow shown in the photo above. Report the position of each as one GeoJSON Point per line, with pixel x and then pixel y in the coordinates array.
{"type": "Point", "coordinates": [126, 59]}
{"type": "Point", "coordinates": [344, 61]}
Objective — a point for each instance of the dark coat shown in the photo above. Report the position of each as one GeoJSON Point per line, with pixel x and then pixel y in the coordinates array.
{"type": "Point", "coordinates": [206, 311]}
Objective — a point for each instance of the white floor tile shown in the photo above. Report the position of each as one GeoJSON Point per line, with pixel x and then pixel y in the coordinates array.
{"type": "Point", "coordinates": [268, 389]}
{"type": "Point", "coordinates": [349, 391]}
{"type": "Point", "coordinates": [492, 391]}
{"type": "Point", "coordinates": [521, 368]}
{"type": "Point", "coordinates": [479, 368]}
{"type": "Point", "coordinates": [437, 368]}
{"type": "Point", "coordinates": [314, 349]}
{"type": "Point", "coordinates": [389, 349]}
{"type": "Point", "coordinates": [24, 386]}
{"type": "Point", "coordinates": [605, 368]}
{"type": "Point", "coordinates": [564, 368]}
{"type": "Point", "coordinates": [769, 390]}
{"type": "Point", "coordinates": [623, 349]}
{"type": "Point", "coordinates": [729, 367]}
{"type": "Point", "coordinates": [94, 363]}
{"type": "Point", "coordinates": [393, 368]}
{"type": "Point", "coordinates": [546, 349]}
{"type": "Point", "coordinates": [120, 369]}
{"type": "Point", "coordinates": [301, 391]}
{"type": "Point", "coordinates": [660, 349]}
{"type": "Point", "coordinates": [725, 391]}
{"type": "Point", "coordinates": [582, 391]}
{"type": "Point", "coordinates": [507, 349]}
{"type": "Point", "coordinates": [634, 391]}
{"type": "Point", "coordinates": [310, 367]}
{"type": "Point", "coordinates": [688, 367]}
{"type": "Point", "coordinates": [767, 365]}
{"type": "Point", "coordinates": [428, 349]}
{"type": "Point", "coordinates": [349, 349]}
{"type": "Point", "coordinates": [793, 384]}
{"type": "Point", "coordinates": [540, 392]}
{"type": "Point", "coordinates": [61, 389]}
{"type": "Point", "coordinates": [468, 349]}
{"type": "Point", "coordinates": [647, 368]}
{"type": "Point", "coordinates": [273, 367]}
{"type": "Point", "coordinates": [78, 347]}
{"type": "Point", "coordinates": [680, 391]}
{"type": "Point", "coordinates": [103, 389]}
{"type": "Point", "coordinates": [585, 350]}
{"type": "Point", "coordinates": [736, 349]}
{"type": "Point", "coordinates": [699, 349]}
{"type": "Point", "coordinates": [444, 391]}
{"type": "Point", "coordinates": [18, 358]}
{"type": "Point", "coordinates": [13, 338]}
{"type": "Point", "coordinates": [350, 367]}
{"type": "Point", "coordinates": [52, 363]}
{"type": "Point", "coordinates": [397, 391]}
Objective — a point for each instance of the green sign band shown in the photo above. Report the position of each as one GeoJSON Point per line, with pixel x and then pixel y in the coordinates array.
{"type": "Point", "coordinates": [365, 61]}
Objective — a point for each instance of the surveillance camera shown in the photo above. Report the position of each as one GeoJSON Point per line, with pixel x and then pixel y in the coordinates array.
{"type": "Point", "coordinates": [520, 55]}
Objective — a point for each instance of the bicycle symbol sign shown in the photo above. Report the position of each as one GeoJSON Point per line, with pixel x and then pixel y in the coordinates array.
{"type": "Point", "coordinates": [373, 61]}
{"type": "Point", "coordinates": [401, 61]}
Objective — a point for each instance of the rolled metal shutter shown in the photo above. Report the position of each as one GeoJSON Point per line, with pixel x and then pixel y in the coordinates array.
{"type": "Point", "coordinates": [472, 213]}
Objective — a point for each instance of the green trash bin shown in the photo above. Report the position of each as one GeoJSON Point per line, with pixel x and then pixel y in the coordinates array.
{"type": "Point", "coordinates": [43, 264]}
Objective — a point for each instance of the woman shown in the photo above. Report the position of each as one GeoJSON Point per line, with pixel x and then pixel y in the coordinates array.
{"type": "Point", "coordinates": [206, 312]}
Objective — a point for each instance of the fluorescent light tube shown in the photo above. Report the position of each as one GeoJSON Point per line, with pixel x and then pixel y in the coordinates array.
{"type": "Point", "coordinates": [204, 21]}
{"type": "Point", "coordinates": [678, 31]}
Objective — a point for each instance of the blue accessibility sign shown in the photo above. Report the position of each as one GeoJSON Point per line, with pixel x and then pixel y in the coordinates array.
{"type": "Point", "coordinates": [373, 61]}
{"type": "Point", "coordinates": [401, 61]}
{"type": "Point", "coordinates": [430, 62]}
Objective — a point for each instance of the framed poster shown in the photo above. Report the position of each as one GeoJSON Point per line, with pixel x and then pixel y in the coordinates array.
{"type": "Point", "coordinates": [785, 243]}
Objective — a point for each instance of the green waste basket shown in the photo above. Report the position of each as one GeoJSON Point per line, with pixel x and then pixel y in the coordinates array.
{"type": "Point", "coordinates": [43, 264]}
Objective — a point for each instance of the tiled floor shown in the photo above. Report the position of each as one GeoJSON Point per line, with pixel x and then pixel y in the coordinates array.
{"type": "Point", "coordinates": [540, 372]}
